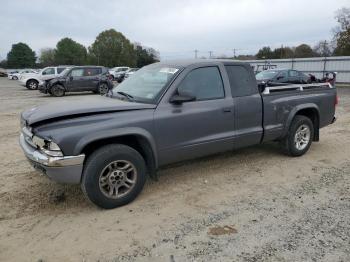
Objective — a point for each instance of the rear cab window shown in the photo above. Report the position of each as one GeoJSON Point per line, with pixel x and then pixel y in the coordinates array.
{"type": "Point", "coordinates": [241, 81]}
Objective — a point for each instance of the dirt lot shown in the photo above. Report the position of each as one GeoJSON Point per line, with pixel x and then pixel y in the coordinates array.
{"type": "Point", "coordinates": [250, 205]}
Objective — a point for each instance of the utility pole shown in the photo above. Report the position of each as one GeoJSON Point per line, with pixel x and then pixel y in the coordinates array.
{"type": "Point", "coordinates": [196, 54]}
{"type": "Point", "coordinates": [234, 50]}
{"type": "Point", "coordinates": [210, 54]}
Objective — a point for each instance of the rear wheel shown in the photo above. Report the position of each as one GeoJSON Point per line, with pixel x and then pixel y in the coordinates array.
{"type": "Point", "coordinates": [57, 90]}
{"type": "Point", "coordinates": [32, 84]}
{"type": "Point", "coordinates": [299, 137]}
{"type": "Point", "coordinates": [113, 176]}
{"type": "Point", "coordinates": [15, 78]}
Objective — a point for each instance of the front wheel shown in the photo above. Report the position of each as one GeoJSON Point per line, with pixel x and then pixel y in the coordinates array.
{"type": "Point", "coordinates": [113, 176]}
{"type": "Point", "coordinates": [299, 137]}
{"type": "Point", "coordinates": [57, 90]}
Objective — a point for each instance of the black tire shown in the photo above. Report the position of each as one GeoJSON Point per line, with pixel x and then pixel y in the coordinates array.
{"type": "Point", "coordinates": [93, 172]}
{"type": "Point", "coordinates": [57, 91]}
{"type": "Point", "coordinates": [14, 78]}
{"type": "Point", "coordinates": [32, 84]}
{"type": "Point", "coordinates": [103, 89]}
{"type": "Point", "coordinates": [291, 143]}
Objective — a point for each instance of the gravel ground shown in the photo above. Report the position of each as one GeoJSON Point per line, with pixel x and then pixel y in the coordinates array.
{"type": "Point", "coordinates": [253, 204]}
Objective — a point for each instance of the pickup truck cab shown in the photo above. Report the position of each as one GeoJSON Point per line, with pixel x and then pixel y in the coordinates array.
{"type": "Point", "coordinates": [33, 80]}
{"type": "Point", "coordinates": [168, 112]}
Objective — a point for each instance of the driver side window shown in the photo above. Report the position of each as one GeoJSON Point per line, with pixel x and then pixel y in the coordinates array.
{"type": "Point", "coordinates": [204, 83]}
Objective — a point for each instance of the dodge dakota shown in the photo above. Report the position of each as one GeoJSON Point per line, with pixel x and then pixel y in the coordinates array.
{"type": "Point", "coordinates": [168, 112]}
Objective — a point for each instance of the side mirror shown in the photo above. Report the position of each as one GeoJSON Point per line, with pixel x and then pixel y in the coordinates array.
{"type": "Point", "coordinates": [182, 97]}
{"type": "Point", "coordinates": [70, 78]}
{"type": "Point", "coordinates": [280, 77]}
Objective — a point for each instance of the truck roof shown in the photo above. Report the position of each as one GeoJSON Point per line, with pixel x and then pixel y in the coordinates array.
{"type": "Point", "coordinates": [187, 62]}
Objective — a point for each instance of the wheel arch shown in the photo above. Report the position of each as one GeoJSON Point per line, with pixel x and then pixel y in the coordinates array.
{"type": "Point", "coordinates": [31, 79]}
{"type": "Point", "coordinates": [137, 138]}
{"type": "Point", "coordinates": [309, 110]}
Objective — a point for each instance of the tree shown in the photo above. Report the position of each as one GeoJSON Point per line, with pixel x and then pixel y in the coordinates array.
{"type": "Point", "coordinates": [3, 64]}
{"type": "Point", "coordinates": [283, 52]}
{"type": "Point", "coordinates": [47, 57]}
{"type": "Point", "coordinates": [69, 52]}
{"type": "Point", "coordinates": [245, 57]}
{"type": "Point", "coordinates": [21, 56]}
{"type": "Point", "coordinates": [264, 53]}
{"type": "Point", "coordinates": [323, 48]}
{"type": "Point", "coordinates": [342, 32]}
{"type": "Point", "coordinates": [145, 56]}
{"type": "Point", "coordinates": [112, 48]}
{"type": "Point", "coordinates": [303, 50]}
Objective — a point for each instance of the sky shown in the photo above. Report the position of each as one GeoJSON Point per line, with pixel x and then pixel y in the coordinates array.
{"type": "Point", "coordinates": [174, 28]}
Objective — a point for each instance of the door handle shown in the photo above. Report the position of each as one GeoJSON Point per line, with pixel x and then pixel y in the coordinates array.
{"type": "Point", "coordinates": [227, 110]}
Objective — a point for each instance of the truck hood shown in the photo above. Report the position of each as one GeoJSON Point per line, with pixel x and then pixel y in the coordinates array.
{"type": "Point", "coordinates": [81, 107]}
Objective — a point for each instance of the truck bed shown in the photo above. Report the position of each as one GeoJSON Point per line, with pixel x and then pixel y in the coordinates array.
{"type": "Point", "coordinates": [280, 102]}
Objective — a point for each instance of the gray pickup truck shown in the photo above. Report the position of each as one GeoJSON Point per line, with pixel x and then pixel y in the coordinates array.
{"type": "Point", "coordinates": [166, 113]}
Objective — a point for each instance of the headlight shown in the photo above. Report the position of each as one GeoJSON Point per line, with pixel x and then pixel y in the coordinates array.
{"type": "Point", "coordinates": [47, 146]}
{"type": "Point", "coordinates": [53, 146]}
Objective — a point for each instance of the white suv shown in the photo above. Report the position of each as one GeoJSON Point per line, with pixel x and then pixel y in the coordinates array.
{"type": "Point", "coordinates": [32, 81]}
{"type": "Point", "coordinates": [118, 73]}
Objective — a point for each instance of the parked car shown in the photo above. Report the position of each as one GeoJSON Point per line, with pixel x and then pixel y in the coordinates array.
{"type": "Point", "coordinates": [109, 144]}
{"type": "Point", "coordinates": [33, 80]}
{"type": "Point", "coordinates": [130, 72]}
{"type": "Point", "coordinates": [283, 76]}
{"type": "Point", "coordinates": [17, 74]}
{"type": "Point", "coordinates": [118, 73]}
{"type": "Point", "coordinates": [3, 72]}
{"type": "Point", "coordinates": [77, 79]}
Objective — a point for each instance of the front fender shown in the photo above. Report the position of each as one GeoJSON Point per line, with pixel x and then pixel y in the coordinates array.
{"type": "Point", "coordinates": [294, 111]}
{"type": "Point", "coordinates": [114, 133]}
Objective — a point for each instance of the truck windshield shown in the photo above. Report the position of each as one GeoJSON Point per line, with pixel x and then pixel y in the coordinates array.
{"type": "Point", "coordinates": [147, 84]}
{"type": "Point", "coordinates": [268, 74]}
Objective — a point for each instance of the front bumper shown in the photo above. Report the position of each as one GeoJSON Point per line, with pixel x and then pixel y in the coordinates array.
{"type": "Point", "coordinates": [65, 169]}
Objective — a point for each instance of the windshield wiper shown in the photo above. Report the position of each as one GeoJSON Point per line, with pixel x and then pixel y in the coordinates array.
{"type": "Point", "coordinates": [129, 97]}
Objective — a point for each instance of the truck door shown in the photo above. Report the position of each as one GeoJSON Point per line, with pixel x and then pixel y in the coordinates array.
{"type": "Point", "coordinates": [247, 106]}
{"type": "Point", "coordinates": [195, 128]}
